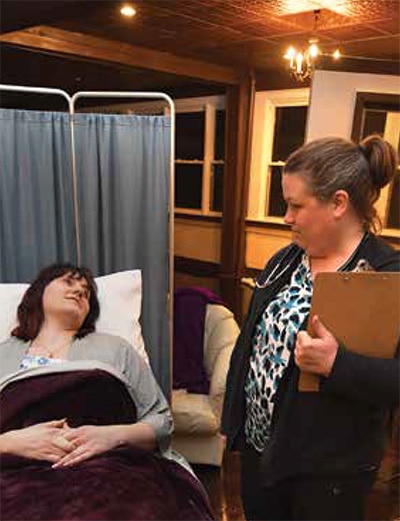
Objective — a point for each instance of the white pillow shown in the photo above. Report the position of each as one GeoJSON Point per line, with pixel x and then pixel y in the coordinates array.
{"type": "Point", "coordinates": [10, 296]}
{"type": "Point", "coordinates": [120, 297]}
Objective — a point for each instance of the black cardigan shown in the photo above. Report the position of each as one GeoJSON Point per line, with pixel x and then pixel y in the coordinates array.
{"type": "Point", "coordinates": [340, 429]}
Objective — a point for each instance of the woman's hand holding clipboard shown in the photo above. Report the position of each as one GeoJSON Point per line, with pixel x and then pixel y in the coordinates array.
{"type": "Point", "coordinates": [361, 311]}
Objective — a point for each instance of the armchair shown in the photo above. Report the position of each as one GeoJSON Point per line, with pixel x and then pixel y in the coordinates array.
{"type": "Point", "coordinates": [197, 416]}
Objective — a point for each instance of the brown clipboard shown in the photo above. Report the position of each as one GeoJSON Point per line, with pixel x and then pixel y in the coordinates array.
{"type": "Point", "coordinates": [362, 311]}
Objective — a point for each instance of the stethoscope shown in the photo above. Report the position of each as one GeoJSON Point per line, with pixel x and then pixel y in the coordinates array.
{"type": "Point", "coordinates": [268, 281]}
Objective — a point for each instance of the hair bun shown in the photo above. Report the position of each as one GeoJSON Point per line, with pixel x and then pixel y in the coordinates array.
{"type": "Point", "coordinates": [381, 157]}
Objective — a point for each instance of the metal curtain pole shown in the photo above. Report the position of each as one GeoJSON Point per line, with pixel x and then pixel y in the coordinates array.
{"type": "Point", "coordinates": [168, 99]}
{"type": "Point", "coordinates": [99, 94]}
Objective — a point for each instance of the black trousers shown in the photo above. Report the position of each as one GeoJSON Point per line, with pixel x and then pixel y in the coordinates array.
{"type": "Point", "coordinates": [306, 498]}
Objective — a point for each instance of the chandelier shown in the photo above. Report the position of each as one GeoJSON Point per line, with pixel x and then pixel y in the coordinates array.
{"type": "Point", "coordinates": [302, 62]}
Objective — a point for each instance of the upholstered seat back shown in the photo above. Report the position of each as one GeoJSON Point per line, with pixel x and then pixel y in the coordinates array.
{"type": "Point", "coordinates": [219, 331]}
{"type": "Point", "coordinates": [220, 334]}
{"type": "Point", "coordinates": [197, 416]}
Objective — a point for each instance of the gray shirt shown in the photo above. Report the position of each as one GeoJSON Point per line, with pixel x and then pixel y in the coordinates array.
{"type": "Point", "coordinates": [151, 405]}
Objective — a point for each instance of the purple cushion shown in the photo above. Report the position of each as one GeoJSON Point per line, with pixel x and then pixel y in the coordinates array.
{"type": "Point", "coordinates": [189, 319]}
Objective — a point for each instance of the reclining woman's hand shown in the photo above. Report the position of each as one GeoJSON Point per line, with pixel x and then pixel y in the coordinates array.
{"type": "Point", "coordinates": [89, 441]}
{"type": "Point", "coordinates": [42, 441]}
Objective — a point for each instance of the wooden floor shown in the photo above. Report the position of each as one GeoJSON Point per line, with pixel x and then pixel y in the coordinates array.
{"type": "Point", "coordinates": [223, 487]}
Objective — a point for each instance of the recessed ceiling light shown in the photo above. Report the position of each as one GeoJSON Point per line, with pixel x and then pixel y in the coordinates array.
{"type": "Point", "coordinates": [302, 6]}
{"type": "Point", "coordinates": [128, 11]}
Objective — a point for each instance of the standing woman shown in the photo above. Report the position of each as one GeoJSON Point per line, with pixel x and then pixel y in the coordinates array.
{"type": "Point", "coordinates": [313, 456]}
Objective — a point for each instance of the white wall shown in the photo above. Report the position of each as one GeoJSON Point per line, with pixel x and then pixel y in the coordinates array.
{"type": "Point", "coordinates": [333, 98]}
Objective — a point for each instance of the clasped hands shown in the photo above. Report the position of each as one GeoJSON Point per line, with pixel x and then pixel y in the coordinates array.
{"type": "Point", "coordinates": [55, 441]}
{"type": "Point", "coordinates": [316, 354]}
{"type": "Point", "coordinates": [81, 443]}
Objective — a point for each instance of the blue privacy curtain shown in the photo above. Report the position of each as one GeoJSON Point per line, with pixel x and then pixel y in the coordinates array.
{"type": "Point", "coordinates": [123, 190]}
{"type": "Point", "coordinates": [36, 215]}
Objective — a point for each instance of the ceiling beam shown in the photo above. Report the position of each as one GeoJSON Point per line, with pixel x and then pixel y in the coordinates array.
{"type": "Point", "coordinates": [50, 39]}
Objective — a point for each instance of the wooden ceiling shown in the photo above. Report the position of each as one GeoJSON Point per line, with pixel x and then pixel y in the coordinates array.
{"type": "Point", "coordinates": [187, 44]}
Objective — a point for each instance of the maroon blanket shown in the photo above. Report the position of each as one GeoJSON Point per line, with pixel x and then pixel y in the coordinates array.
{"type": "Point", "coordinates": [123, 484]}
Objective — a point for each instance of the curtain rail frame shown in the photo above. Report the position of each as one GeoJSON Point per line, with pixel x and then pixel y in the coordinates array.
{"type": "Point", "coordinates": [71, 100]}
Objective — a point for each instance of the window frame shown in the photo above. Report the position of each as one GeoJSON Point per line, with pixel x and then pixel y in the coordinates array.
{"type": "Point", "coordinates": [209, 105]}
{"type": "Point", "coordinates": [266, 103]}
{"type": "Point", "coordinates": [392, 135]}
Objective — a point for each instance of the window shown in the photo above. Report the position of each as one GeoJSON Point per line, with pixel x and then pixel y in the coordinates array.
{"type": "Point", "coordinates": [217, 186]}
{"type": "Point", "coordinates": [200, 155]}
{"type": "Point", "coordinates": [392, 134]}
{"type": "Point", "coordinates": [389, 201]}
{"type": "Point", "coordinates": [190, 135]}
{"type": "Point", "coordinates": [393, 220]}
{"type": "Point", "coordinates": [289, 133]}
{"type": "Point", "coordinates": [188, 185]}
{"type": "Point", "coordinates": [218, 161]}
{"type": "Point", "coordinates": [380, 113]}
{"type": "Point", "coordinates": [278, 129]}
{"type": "Point", "coordinates": [374, 122]}
{"type": "Point", "coordinates": [199, 150]}
{"type": "Point", "coordinates": [189, 167]}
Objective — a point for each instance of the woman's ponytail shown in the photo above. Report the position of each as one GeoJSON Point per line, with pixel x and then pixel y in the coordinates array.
{"type": "Point", "coordinates": [382, 160]}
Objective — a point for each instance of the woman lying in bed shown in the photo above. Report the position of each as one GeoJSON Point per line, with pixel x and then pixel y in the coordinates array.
{"type": "Point", "coordinates": [78, 406]}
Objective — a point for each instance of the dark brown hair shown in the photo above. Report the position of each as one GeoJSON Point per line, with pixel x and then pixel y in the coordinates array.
{"type": "Point", "coordinates": [30, 311]}
{"type": "Point", "coordinates": [332, 164]}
